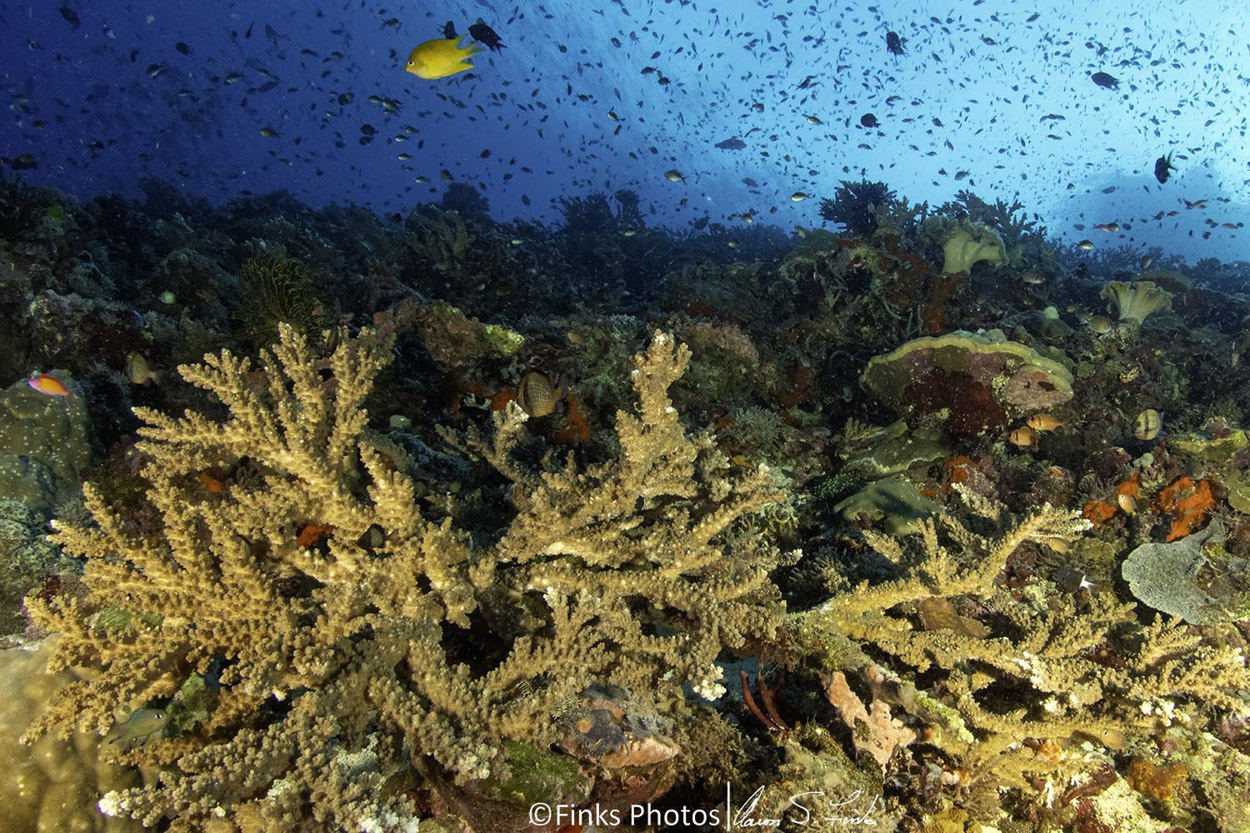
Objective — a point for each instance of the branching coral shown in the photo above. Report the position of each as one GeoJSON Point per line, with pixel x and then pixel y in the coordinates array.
{"type": "Point", "coordinates": [1036, 672]}
{"type": "Point", "coordinates": [339, 663]}
{"type": "Point", "coordinates": [856, 206]}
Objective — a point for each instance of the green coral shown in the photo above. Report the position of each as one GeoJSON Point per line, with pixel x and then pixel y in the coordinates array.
{"type": "Point", "coordinates": [44, 445]}
{"type": "Point", "coordinates": [455, 340]}
{"type": "Point", "coordinates": [27, 558]}
{"type": "Point", "coordinates": [893, 500]}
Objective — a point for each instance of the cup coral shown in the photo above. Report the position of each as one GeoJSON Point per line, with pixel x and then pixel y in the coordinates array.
{"type": "Point", "coordinates": [1135, 300]}
{"type": "Point", "coordinates": [969, 244]}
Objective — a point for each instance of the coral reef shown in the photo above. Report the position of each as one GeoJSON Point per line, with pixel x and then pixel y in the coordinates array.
{"type": "Point", "coordinates": [519, 575]}
{"type": "Point", "coordinates": [320, 610]}
{"type": "Point", "coordinates": [1041, 651]}
{"type": "Point", "coordinates": [856, 205]}
{"type": "Point", "coordinates": [28, 561]}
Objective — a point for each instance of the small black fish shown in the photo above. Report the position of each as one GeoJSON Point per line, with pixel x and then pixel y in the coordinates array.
{"type": "Point", "coordinates": [869, 120]}
{"type": "Point", "coordinates": [1164, 168]}
{"type": "Point", "coordinates": [894, 44]}
{"type": "Point", "coordinates": [71, 16]}
{"type": "Point", "coordinates": [485, 35]}
{"type": "Point", "coordinates": [183, 48]}
{"type": "Point", "coordinates": [1102, 79]}
{"type": "Point", "coordinates": [733, 143]}
{"type": "Point", "coordinates": [449, 30]}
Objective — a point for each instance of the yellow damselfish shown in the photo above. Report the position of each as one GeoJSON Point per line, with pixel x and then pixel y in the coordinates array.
{"type": "Point", "coordinates": [441, 57]}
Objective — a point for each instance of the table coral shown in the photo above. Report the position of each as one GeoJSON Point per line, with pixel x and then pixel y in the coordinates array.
{"type": "Point", "coordinates": [978, 381]}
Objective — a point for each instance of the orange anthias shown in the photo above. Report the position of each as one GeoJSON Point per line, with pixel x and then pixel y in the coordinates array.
{"type": "Point", "coordinates": [49, 385]}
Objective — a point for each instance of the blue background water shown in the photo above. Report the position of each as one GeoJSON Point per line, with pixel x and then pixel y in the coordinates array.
{"type": "Point", "coordinates": [533, 120]}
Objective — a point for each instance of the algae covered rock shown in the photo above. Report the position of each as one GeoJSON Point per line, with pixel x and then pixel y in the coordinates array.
{"type": "Point", "coordinates": [975, 382]}
{"type": "Point", "coordinates": [454, 340]}
{"type": "Point", "coordinates": [1211, 448]}
{"type": "Point", "coordinates": [43, 443]}
{"type": "Point", "coordinates": [893, 500]}
{"type": "Point", "coordinates": [27, 557]}
{"type": "Point", "coordinates": [894, 449]}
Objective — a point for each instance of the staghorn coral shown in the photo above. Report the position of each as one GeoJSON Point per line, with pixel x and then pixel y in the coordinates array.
{"type": "Point", "coordinates": [1034, 673]}
{"type": "Point", "coordinates": [346, 666]}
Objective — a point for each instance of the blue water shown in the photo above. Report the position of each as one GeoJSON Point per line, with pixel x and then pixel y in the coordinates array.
{"type": "Point", "coordinates": [994, 97]}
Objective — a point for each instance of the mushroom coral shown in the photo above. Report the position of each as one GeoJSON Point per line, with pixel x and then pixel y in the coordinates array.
{"type": "Point", "coordinates": [969, 244]}
{"type": "Point", "coordinates": [1135, 300]}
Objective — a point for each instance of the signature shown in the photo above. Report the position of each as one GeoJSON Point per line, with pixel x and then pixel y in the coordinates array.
{"type": "Point", "coordinates": [807, 808]}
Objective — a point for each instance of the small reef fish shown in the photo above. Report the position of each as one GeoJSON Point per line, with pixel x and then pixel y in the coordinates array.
{"type": "Point", "coordinates": [49, 385]}
{"type": "Point", "coordinates": [1100, 324]}
{"type": "Point", "coordinates": [894, 44]}
{"type": "Point", "coordinates": [1148, 424]}
{"type": "Point", "coordinates": [1085, 245]}
{"type": "Point", "coordinates": [1164, 168]}
{"type": "Point", "coordinates": [1024, 437]}
{"type": "Point", "coordinates": [440, 58]}
{"type": "Point", "coordinates": [141, 726]}
{"type": "Point", "coordinates": [674, 176]}
{"type": "Point", "coordinates": [1043, 422]}
{"type": "Point", "coordinates": [1107, 227]}
{"type": "Point", "coordinates": [485, 35]}
{"type": "Point", "coordinates": [138, 371]}
{"type": "Point", "coordinates": [1103, 79]}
